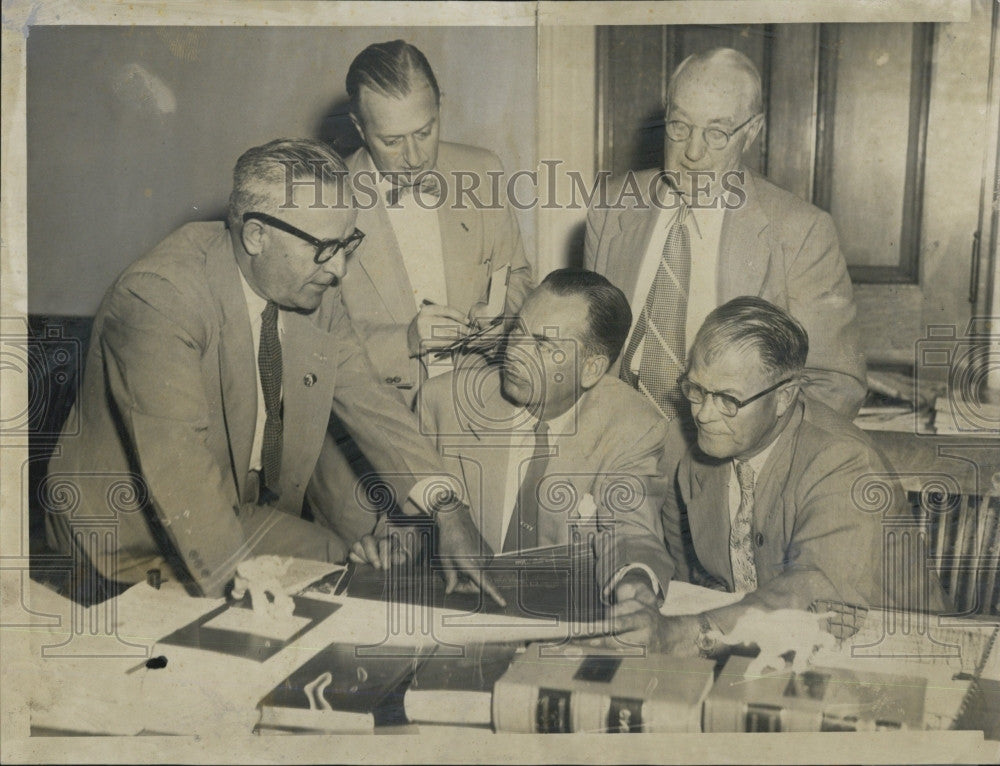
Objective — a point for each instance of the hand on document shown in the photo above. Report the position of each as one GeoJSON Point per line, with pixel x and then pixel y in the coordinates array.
{"type": "Point", "coordinates": [777, 632]}
{"type": "Point", "coordinates": [387, 545]}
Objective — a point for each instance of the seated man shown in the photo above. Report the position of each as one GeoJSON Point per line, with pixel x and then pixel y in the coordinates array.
{"type": "Point", "coordinates": [769, 494]}
{"type": "Point", "coordinates": [214, 363]}
{"type": "Point", "coordinates": [548, 445]}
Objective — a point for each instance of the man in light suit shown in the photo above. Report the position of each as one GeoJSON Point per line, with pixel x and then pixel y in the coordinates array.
{"type": "Point", "coordinates": [599, 473]}
{"type": "Point", "coordinates": [421, 277]}
{"type": "Point", "coordinates": [745, 236]}
{"type": "Point", "coordinates": [214, 363]}
{"type": "Point", "coordinates": [768, 501]}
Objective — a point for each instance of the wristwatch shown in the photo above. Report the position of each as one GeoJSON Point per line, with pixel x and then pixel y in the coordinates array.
{"type": "Point", "coordinates": [707, 646]}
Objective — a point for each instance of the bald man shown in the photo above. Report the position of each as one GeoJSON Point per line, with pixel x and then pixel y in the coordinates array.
{"type": "Point", "coordinates": [705, 229]}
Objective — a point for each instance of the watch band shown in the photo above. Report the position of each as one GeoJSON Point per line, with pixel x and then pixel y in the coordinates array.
{"type": "Point", "coordinates": [707, 646]}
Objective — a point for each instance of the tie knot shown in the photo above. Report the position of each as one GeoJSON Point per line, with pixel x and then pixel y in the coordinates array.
{"type": "Point", "coordinates": [745, 475]}
{"type": "Point", "coordinates": [269, 316]}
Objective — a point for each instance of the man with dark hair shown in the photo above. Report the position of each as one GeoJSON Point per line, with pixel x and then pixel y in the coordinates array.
{"type": "Point", "coordinates": [767, 497]}
{"type": "Point", "coordinates": [540, 442]}
{"type": "Point", "coordinates": [214, 363]}
{"type": "Point", "coordinates": [705, 229]}
{"type": "Point", "coordinates": [422, 276]}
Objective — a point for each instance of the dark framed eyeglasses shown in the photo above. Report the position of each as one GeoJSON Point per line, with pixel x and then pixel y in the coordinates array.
{"type": "Point", "coordinates": [716, 138]}
{"type": "Point", "coordinates": [728, 405]}
{"type": "Point", "coordinates": [325, 248]}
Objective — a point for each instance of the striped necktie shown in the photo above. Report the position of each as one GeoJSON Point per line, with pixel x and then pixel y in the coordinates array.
{"type": "Point", "coordinates": [740, 547]}
{"type": "Point", "coordinates": [662, 324]}
{"type": "Point", "coordinates": [522, 532]}
{"type": "Point", "coordinates": [269, 365]}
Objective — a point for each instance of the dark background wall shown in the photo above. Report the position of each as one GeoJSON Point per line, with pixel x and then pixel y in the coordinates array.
{"type": "Point", "coordinates": [133, 131]}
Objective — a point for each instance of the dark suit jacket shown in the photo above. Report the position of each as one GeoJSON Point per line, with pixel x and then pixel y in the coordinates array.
{"type": "Point", "coordinates": [605, 476]}
{"type": "Point", "coordinates": [815, 532]}
{"type": "Point", "coordinates": [168, 407]}
{"type": "Point", "coordinates": [774, 246]}
{"type": "Point", "coordinates": [474, 242]}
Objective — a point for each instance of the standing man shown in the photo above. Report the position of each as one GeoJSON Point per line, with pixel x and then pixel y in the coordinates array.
{"type": "Point", "coordinates": [213, 366]}
{"type": "Point", "coordinates": [769, 491]}
{"type": "Point", "coordinates": [422, 276]}
{"type": "Point", "coordinates": [548, 445]}
{"type": "Point", "coordinates": [706, 230]}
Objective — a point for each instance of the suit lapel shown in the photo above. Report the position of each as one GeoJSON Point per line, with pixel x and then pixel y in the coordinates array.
{"type": "Point", "coordinates": [627, 247]}
{"type": "Point", "coordinates": [708, 516]}
{"type": "Point", "coordinates": [237, 368]}
{"type": "Point", "coordinates": [309, 373]}
{"type": "Point", "coordinates": [744, 251]}
{"type": "Point", "coordinates": [379, 256]}
{"type": "Point", "coordinates": [461, 236]}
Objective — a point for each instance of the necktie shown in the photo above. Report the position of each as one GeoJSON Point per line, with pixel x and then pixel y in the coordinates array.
{"type": "Point", "coordinates": [522, 532]}
{"type": "Point", "coordinates": [429, 185]}
{"type": "Point", "coordinates": [662, 324]}
{"type": "Point", "coordinates": [740, 548]}
{"type": "Point", "coordinates": [269, 365]}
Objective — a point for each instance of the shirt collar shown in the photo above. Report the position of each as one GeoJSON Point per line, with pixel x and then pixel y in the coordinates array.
{"type": "Point", "coordinates": [561, 425]}
{"type": "Point", "coordinates": [255, 304]}
{"type": "Point", "coordinates": [757, 461]}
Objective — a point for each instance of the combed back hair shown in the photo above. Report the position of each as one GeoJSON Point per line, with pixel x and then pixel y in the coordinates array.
{"type": "Point", "coordinates": [748, 322]}
{"type": "Point", "coordinates": [738, 62]}
{"type": "Point", "coordinates": [262, 175]}
{"type": "Point", "coordinates": [609, 316]}
{"type": "Point", "coordinates": [390, 69]}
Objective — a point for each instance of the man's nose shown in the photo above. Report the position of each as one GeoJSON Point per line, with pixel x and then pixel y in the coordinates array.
{"type": "Point", "coordinates": [413, 156]}
{"type": "Point", "coordinates": [337, 266]}
{"type": "Point", "coordinates": [696, 147]}
{"type": "Point", "coordinates": [707, 411]}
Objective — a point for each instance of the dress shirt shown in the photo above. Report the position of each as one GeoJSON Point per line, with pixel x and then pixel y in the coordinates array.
{"type": "Point", "coordinates": [418, 234]}
{"type": "Point", "coordinates": [255, 307]}
{"type": "Point", "coordinates": [705, 227]}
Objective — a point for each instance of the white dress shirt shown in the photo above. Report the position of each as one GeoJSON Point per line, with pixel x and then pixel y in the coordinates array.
{"type": "Point", "coordinates": [418, 234]}
{"type": "Point", "coordinates": [705, 227]}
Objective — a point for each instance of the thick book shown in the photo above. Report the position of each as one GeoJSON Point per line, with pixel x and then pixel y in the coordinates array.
{"type": "Point", "coordinates": [818, 699]}
{"type": "Point", "coordinates": [600, 693]}
{"type": "Point", "coordinates": [455, 684]}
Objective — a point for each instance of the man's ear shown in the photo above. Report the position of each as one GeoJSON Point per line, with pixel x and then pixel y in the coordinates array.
{"type": "Point", "coordinates": [253, 235]}
{"type": "Point", "coordinates": [785, 396]}
{"type": "Point", "coordinates": [752, 131]}
{"type": "Point", "coordinates": [593, 370]}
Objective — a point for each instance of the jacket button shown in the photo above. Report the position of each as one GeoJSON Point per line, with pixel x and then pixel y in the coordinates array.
{"type": "Point", "coordinates": [759, 539]}
{"type": "Point", "coordinates": [309, 380]}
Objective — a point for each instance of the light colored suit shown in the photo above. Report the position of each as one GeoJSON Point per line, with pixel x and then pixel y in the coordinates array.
{"type": "Point", "coordinates": [474, 243]}
{"type": "Point", "coordinates": [379, 299]}
{"type": "Point", "coordinates": [813, 533]}
{"type": "Point", "coordinates": [605, 474]}
{"type": "Point", "coordinates": [775, 246]}
{"type": "Point", "coordinates": [167, 414]}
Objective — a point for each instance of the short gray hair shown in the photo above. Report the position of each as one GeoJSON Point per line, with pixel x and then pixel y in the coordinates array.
{"type": "Point", "coordinates": [746, 322]}
{"type": "Point", "coordinates": [261, 173]}
{"type": "Point", "coordinates": [738, 62]}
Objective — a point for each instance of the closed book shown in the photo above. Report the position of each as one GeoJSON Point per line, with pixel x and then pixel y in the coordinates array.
{"type": "Point", "coordinates": [818, 699]}
{"type": "Point", "coordinates": [600, 692]}
{"type": "Point", "coordinates": [455, 685]}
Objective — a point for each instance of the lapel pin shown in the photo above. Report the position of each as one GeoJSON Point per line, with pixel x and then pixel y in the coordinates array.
{"type": "Point", "coordinates": [310, 379]}
{"type": "Point", "coordinates": [464, 226]}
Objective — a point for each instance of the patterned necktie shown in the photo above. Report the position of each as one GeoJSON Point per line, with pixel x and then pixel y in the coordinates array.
{"type": "Point", "coordinates": [522, 532]}
{"type": "Point", "coordinates": [662, 324]}
{"type": "Point", "coordinates": [429, 186]}
{"type": "Point", "coordinates": [269, 365]}
{"type": "Point", "coordinates": [740, 549]}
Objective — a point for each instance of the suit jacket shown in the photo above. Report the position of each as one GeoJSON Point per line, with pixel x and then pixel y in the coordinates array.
{"type": "Point", "coordinates": [168, 407]}
{"type": "Point", "coordinates": [775, 246]}
{"type": "Point", "coordinates": [474, 242]}
{"type": "Point", "coordinates": [605, 475]}
{"type": "Point", "coordinates": [814, 532]}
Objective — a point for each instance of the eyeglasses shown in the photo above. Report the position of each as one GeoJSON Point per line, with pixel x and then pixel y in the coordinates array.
{"type": "Point", "coordinates": [716, 138]}
{"type": "Point", "coordinates": [325, 248]}
{"type": "Point", "coordinates": [728, 405]}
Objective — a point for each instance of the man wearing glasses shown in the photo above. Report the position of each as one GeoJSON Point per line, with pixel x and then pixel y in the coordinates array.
{"type": "Point", "coordinates": [766, 502]}
{"type": "Point", "coordinates": [706, 229]}
{"type": "Point", "coordinates": [214, 364]}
